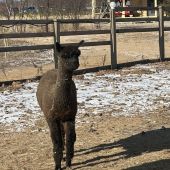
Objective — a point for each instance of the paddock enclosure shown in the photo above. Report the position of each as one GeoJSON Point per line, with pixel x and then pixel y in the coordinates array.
{"type": "Point", "coordinates": [123, 120]}
{"type": "Point", "coordinates": [109, 42]}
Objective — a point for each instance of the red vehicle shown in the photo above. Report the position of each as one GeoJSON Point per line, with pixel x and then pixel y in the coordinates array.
{"type": "Point", "coordinates": [105, 9]}
{"type": "Point", "coordinates": [121, 13]}
{"type": "Point", "coordinates": [127, 13]}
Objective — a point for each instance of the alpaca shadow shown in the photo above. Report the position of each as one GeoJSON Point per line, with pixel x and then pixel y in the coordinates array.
{"type": "Point", "coordinates": [150, 141]}
{"type": "Point", "coordinates": [161, 164]}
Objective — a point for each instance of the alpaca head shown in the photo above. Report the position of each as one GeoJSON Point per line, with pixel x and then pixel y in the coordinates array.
{"type": "Point", "coordinates": [69, 56]}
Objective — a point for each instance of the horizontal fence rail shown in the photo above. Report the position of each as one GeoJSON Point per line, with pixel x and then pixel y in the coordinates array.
{"type": "Point", "coordinates": [130, 30]}
{"type": "Point", "coordinates": [85, 44]}
{"type": "Point", "coordinates": [31, 22]}
{"type": "Point", "coordinates": [26, 48]}
{"type": "Point", "coordinates": [135, 8]}
{"type": "Point", "coordinates": [166, 18]}
{"type": "Point", "coordinates": [144, 19]}
{"type": "Point", "coordinates": [79, 21]}
{"type": "Point", "coordinates": [91, 32]}
{"type": "Point", "coordinates": [26, 35]}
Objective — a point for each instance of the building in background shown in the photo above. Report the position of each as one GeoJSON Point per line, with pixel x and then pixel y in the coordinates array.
{"type": "Point", "coordinates": [146, 3]}
{"type": "Point", "coordinates": [124, 3]}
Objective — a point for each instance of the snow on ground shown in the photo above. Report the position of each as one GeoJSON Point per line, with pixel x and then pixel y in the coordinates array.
{"type": "Point", "coordinates": [113, 93]}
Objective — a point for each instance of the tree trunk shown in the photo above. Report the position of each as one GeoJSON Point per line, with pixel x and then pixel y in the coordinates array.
{"type": "Point", "coordinates": [93, 8]}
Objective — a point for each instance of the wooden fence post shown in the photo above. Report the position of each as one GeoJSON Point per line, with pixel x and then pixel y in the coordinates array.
{"type": "Point", "coordinates": [113, 40]}
{"type": "Point", "coordinates": [56, 39]}
{"type": "Point", "coordinates": [161, 34]}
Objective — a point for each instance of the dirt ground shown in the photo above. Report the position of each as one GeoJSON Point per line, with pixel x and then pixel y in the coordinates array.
{"type": "Point", "coordinates": [107, 142]}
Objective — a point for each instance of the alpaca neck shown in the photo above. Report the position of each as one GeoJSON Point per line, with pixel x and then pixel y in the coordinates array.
{"type": "Point", "coordinates": [62, 88]}
{"type": "Point", "coordinates": [63, 74]}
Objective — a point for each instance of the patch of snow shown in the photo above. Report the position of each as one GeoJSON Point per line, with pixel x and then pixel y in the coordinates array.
{"type": "Point", "coordinates": [110, 93]}
{"type": "Point", "coordinates": [131, 94]}
{"type": "Point", "coordinates": [17, 105]}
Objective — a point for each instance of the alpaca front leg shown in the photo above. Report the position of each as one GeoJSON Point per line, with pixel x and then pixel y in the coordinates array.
{"type": "Point", "coordinates": [63, 138]}
{"type": "Point", "coordinates": [70, 140]}
{"type": "Point", "coordinates": [63, 134]}
{"type": "Point", "coordinates": [56, 136]}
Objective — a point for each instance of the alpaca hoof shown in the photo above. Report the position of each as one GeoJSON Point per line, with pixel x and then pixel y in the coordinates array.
{"type": "Point", "coordinates": [56, 168]}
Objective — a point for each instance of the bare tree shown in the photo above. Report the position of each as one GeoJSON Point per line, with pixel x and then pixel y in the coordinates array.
{"type": "Point", "coordinates": [5, 8]}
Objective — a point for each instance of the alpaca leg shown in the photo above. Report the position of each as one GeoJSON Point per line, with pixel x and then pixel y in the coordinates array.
{"type": "Point", "coordinates": [70, 140]}
{"type": "Point", "coordinates": [63, 134]}
{"type": "Point", "coordinates": [56, 137]}
{"type": "Point", "coordinates": [63, 139]}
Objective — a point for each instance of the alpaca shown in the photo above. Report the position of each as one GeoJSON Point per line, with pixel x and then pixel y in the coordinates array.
{"type": "Point", "coordinates": [57, 98]}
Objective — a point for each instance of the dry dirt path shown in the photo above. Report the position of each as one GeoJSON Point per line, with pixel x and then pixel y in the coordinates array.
{"type": "Point", "coordinates": [112, 143]}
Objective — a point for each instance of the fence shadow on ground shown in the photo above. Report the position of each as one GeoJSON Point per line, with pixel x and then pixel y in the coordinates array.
{"type": "Point", "coordinates": [163, 164]}
{"type": "Point", "coordinates": [150, 141]}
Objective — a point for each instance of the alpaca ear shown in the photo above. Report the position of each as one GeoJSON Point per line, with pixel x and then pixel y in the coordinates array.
{"type": "Point", "coordinates": [80, 43]}
{"type": "Point", "coordinates": [58, 47]}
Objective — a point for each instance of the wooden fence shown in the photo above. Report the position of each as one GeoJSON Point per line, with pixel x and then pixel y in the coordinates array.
{"type": "Point", "coordinates": [113, 30]}
{"type": "Point", "coordinates": [57, 34]}
{"type": "Point", "coordinates": [11, 23]}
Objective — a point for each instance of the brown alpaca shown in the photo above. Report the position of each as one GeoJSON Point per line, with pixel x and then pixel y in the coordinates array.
{"type": "Point", "coordinates": [57, 97]}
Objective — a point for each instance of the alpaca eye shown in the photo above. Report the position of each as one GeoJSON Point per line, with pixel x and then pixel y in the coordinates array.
{"type": "Point", "coordinates": [75, 53]}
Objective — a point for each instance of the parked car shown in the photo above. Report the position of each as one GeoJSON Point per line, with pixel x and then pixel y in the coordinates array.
{"type": "Point", "coordinates": [30, 9]}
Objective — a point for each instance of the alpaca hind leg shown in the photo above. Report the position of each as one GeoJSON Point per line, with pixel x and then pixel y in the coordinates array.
{"type": "Point", "coordinates": [70, 140]}
{"type": "Point", "coordinates": [56, 137]}
{"type": "Point", "coordinates": [63, 138]}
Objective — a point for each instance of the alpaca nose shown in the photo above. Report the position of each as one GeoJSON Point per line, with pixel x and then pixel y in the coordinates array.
{"type": "Point", "coordinates": [76, 63]}
{"type": "Point", "coordinates": [75, 60]}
